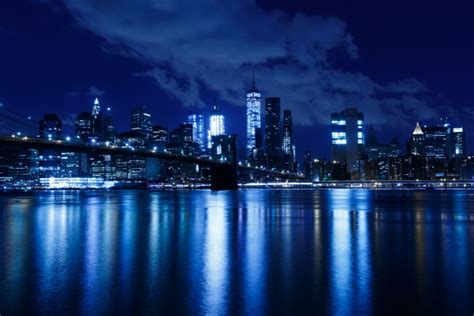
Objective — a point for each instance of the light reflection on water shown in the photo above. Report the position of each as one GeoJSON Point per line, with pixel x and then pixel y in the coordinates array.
{"type": "Point", "coordinates": [252, 252]}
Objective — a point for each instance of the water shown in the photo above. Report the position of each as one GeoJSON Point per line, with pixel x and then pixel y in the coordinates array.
{"type": "Point", "coordinates": [336, 252]}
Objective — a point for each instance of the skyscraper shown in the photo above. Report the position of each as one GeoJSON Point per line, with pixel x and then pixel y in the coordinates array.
{"type": "Point", "coordinates": [435, 142]}
{"type": "Point", "coordinates": [288, 146]}
{"type": "Point", "coordinates": [159, 138]}
{"type": "Point", "coordinates": [254, 116]}
{"type": "Point", "coordinates": [458, 142]}
{"type": "Point", "coordinates": [197, 121]}
{"type": "Point", "coordinates": [141, 121]}
{"type": "Point", "coordinates": [96, 120]}
{"type": "Point", "coordinates": [287, 129]}
{"type": "Point", "coordinates": [83, 126]}
{"type": "Point", "coordinates": [216, 125]}
{"type": "Point", "coordinates": [417, 146]}
{"type": "Point", "coordinates": [272, 131]}
{"type": "Point", "coordinates": [108, 126]}
{"type": "Point", "coordinates": [347, 133]}
{"type": "Point", "coordinates": [50, 127]}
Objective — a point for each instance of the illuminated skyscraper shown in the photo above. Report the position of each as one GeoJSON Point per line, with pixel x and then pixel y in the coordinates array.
{"type": "Point", "coordinates": [254, 116]}
{"type": "Point", "coordinates": [417, 146]}
{"type": "Point", "coordinates": [458, 142]}
{"type": "Point", "coordinates": [287, 143]}
{"type": "Point", "coordinates": [96, 120]}
{"type": "Point", "coordinates": [141, 121]}
{"type": "Point", "coordinates": [83, 126]}
{"type": "Point", "coordinates": [216, 125]}
{"type": "Point", "coordinates": [197, 122]}
{"type": "Point", "coordinates": [347, 134]}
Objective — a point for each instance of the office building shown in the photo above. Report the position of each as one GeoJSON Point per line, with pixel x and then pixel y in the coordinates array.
{"type": "Point", "coordinates": [83, 126]}
{"type": "Point", "coordinates": [216, 125]}
{"type": "Point", "coordinates": [97, 123]}
{"type": "Point", "coordinates": [108, 127]}
{"type": "Point", "coordinates": [50, 127]}
{"type": "Point", "coordinates": [254, 117]}
{"type": "Point", "coordinates": [197, 121]}
{"type": "Point", "coordinates": [457, 147]}
{"type": "Point", "coordinates": [141, 121]}
{"type": "Point", "coordinates": [159, 138]}
{"type": "Point", "coordinates": [273, 132]}
{"type": "Point", "coordinates": [347, 134]}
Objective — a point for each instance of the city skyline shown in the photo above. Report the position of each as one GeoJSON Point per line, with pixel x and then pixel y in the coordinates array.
{"type": "Point", "coordinates": [64, 87]}
{"type": "Point", "coordinates": [254, 157]}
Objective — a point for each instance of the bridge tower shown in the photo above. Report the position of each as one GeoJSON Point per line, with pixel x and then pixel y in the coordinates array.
{"type": "Point", "coordinates": [224, 177]}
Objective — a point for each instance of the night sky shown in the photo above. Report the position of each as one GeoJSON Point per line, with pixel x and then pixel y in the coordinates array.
{"type": "Point", "coordinates": [397, 61]}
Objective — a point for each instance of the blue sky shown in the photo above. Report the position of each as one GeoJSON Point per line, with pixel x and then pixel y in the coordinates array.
{"type": "Point", "coordinates": [397, 61]}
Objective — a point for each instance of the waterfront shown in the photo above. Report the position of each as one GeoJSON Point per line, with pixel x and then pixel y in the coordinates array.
{"type": "Point", "coordinates": [250, 251]}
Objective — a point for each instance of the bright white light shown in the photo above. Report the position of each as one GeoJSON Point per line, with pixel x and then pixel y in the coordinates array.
{"type": "Point", "coordinates": [254, 106]}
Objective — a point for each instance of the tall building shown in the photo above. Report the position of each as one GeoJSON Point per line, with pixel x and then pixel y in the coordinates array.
{"type": "Point", "coordinates": [50, 127]}
{"type": "Point", "coordinates": [457, 143]}
{"type": "Point", "coordinates": [287, 143]}
{"type": "Point", "coordinates": [288, 146]}
{"type": "Point", "coordinates": [181, 140]}
{"type": "Point", "coordinates": [197, 121]}
{"type": "Point", "coordinates": [435, 141]}
{"type": "Point", "coordinates": [417, 146]}
{"type": "Point", "coordinates": [96, 122]}
{"type": "Point", "coordinates": [83, 126]}
{"type": "Point", "coordinates": [272, 131]}
{"type": "Point", "coordinates": [159, 138]}
{"type": "Point", "coordinates": [108, 126]}
{"type": "Point", "coordinates": [216, 125]}
{"type": "Point", "coordinates": [254, 117]}
{"type": "Point", "coordinates": [141, 121]}
{"type": "Point", "coordinates": [347, 134]}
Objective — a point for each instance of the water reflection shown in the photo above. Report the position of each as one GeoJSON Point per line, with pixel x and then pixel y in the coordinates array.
{"type": "Point", "coordinates": [246, 252]}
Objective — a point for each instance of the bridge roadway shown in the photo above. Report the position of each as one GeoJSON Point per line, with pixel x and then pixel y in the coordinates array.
{"type": "Point", "coordinates": [223, 174]}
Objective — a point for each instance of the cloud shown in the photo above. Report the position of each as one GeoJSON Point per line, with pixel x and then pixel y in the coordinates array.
{"type": "Point", "coordinates": [195, 45]}
{"type": "Point", "coordinates": [96, 92]}
{"type": "Point", "coordinates": [91, 91]}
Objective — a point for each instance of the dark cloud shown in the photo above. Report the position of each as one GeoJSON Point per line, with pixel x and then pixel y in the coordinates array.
{"type": "Point", "coordinates": [192, 45]}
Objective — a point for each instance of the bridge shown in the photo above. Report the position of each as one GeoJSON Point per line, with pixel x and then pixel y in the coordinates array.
{"type": "Point", "coordinates": [223, 174]}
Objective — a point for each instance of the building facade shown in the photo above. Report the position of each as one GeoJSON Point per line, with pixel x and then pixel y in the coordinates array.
{"type": "Point", "coordinates": [254, 118]}
{"type": "Point", "coordinates": [216, 125]}
{"type": "Point", "coordinates": [273, 132]}
{"type": "Point", "coordinates": [347, 137]}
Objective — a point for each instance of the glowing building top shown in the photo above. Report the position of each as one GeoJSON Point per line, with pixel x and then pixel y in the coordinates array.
{"type": "Point", "coordinates": [418, 130]}
{"type": "Point", "coordinates": [216, 125]}
{"type": "Point", "coordinates": [96, 108]}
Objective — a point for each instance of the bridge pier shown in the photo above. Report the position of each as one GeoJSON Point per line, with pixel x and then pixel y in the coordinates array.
{"type": "Point", "coordinates": [223, 177]}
